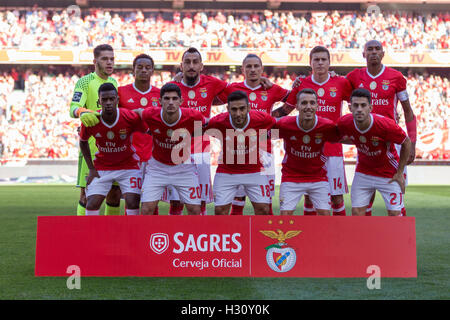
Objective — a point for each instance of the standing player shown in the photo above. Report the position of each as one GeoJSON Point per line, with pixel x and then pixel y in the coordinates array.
{"type": "Point", "coordinates": [303, 169]}
{"type": "Point", "coordinates": [379, 166]}
{"type": "Point", "coordinates": [198, 92]}
{"type": "Point", "coordinates": [141, 94]}
{"type": "Point", "coordinates": [241, 131]}
{"type": "Point", "coordinates": [260, 99]}
{"type": "Point", "coordinates": [172, 129]}
{"type": "Point", "coordinates": [115, 160]}
{"type": "Point", "coordinates": [332, 91]}
{"type": "Point", "coordinates": [386, 86]}
{"type": "Point", "coordinates": [84, 102]}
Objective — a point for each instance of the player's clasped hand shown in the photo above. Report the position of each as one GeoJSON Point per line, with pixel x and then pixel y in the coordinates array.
{"type": "Point", "coordinates": [92, 174]}
{"type": "Point", "coordinates": [90, 119]}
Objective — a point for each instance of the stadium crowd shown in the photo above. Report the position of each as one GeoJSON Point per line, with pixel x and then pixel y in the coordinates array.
{"type": "Point", "coordinates": [41, 28]}
{"type": "Point", "coordinates": [36, 122]}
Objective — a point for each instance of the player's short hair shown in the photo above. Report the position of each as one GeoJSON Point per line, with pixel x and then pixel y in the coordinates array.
{"type": "Point", "coordinates": [318, 49]}
{"type": "Point", "coordinates": [102, 47]}
{"type": "Point", "coordinates": [106, 87]}
{"type": "Point", "coordinates": [142, 56]}
{"type": "Point", "coordinates": [170, 87]}
{"type": "Point", "coordinates": [252, 55]}
{"type": "Point", "coordinates": [192, 50]}
{"type": "Point", "coordinates": [237, 95]}
{"type": "Point", "coordinates": [362, 93]}
{"type": "Point", "coordinates": [306, 90]}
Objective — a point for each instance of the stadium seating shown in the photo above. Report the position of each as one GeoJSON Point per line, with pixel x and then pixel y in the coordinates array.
{"type": "Point", "coordinates": [46, 29]}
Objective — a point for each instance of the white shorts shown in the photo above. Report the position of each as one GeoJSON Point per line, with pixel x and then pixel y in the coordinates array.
{"type": "Point", "coordinates": [268, 162]}
{"type": "Point", "coordinates": [182, 177]}
{"type": "Point", "coordinates": [256, 187]}
{"type": "Point", "coordinates": [292, 192]}
{"type": "Point", "coordinates": [336, 175]}
{"type": "Point", "coordinates": [202, 162]}
{"type": "Point", "coordinates": [398, 147]}
{"type": "Point", "coordinates": [130, 181]}
{"type": "Point", "coordinates": [364, 186]}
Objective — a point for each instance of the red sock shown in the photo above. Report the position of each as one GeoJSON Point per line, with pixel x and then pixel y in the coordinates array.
{"type": "Point", "coordinates": [308, 210]}
{"type": "Point", "coordinates": [156, 211]}
{"type": "Point", "coordinates": [270, 210]}
{"type": "Point", "coordinates": [176, 209]}
{"type": "Point", "coordinates": [237, 208]}
{"type": "Point", "coordinates": [403, 212]}
{"type": "Point", "coordinates": [338, 210]}
{"type": "Point", "coordinates": [369, 209]}
{"type": "Point", "coordinates": [203, 209]}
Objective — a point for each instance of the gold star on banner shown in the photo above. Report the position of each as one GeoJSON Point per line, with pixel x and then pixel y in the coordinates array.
{"type": "Point", "coordinates": [280, 222]}
{"type": "Point", "coordinates": [270, 221]}
{"type": "Point", "coordinates": [291, 221]}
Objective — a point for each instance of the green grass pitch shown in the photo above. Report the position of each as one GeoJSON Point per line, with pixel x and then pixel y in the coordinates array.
{"type": "Point", "coordinates": [21, 204]}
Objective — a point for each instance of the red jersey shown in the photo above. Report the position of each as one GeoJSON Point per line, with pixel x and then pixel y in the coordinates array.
{"type": "Point", "coordinates": [386, 89]}
{"type": "Point", "coordinates": [259, 99]}
{"type": "Point", "coordinates": [131, 98]}
{"type": "Point", "coordinates": [304, 160]}
{"type": "Point", "coordinates": [115, 149]}
{"type": "Point", "coordinates": [240, 147]}
{"type": "Point", "coordinates": [162, 132]}
{"type": "Point", "coordinates": [330, 97]}
{"type": "Point", "coordinates": [377, 155]}
{"type": "Point", "coordinates": [200, 97]}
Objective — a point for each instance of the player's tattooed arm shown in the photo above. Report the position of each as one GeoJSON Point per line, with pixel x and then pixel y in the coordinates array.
{"type": "Point", "coordinates": [86, 151]}
{"type": "Point", "coordinates": [178, 77]}
{"type": "Point", "coordinates": [282, 111]}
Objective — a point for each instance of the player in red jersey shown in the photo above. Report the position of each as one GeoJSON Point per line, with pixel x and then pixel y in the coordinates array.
{"type": "Point", "coordinates": [387, 87]}
{"type": "Point", "coordinates": [378, 167]}
{"type": "Point", "coordinates": [243, 133]}
{"type": "Point", "coordinates": [141, 94]}
{"type": "Point", "coordinates": [172, 129]}
{"type": "Point", "coordinates": [332, 91]}
{"type": "Point", "coordinates": [116, 160]}
{"type": "Point", "coordinates": [260, 99]}
{"type": "Point", "coordinates": [303, 171]}
{"type": "Point", "coordinates": [198, 92]}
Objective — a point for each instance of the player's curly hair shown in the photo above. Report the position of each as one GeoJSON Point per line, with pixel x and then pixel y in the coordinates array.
{"type": "Point", "coordinates": [363, 93]}
{"type": "Point", "coordinates": [170, 87]}
{"type": "Point", "coordinates": [143, 56]}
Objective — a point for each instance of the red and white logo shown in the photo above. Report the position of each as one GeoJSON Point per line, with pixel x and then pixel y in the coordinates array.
{"type": "Point", "coordinates": [159, 242]}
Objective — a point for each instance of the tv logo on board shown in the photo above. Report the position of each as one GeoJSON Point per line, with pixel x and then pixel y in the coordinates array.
{"type": "Point", "coordinates": [280, 256]}
{"type": "Point", "coordinates": [159, 242]}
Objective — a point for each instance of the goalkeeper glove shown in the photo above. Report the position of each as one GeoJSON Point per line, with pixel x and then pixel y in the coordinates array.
{"type": "Point", "coordinates": [90, 119]}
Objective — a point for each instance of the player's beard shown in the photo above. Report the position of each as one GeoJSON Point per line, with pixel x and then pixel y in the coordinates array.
{"type": "Point", "coordinates": [190, 81]}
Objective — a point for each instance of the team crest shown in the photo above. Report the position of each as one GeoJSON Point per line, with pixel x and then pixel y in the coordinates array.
{"type": "Point", "coordinates": [385, 84]}
{"type": "Point", "coordinates": [169, 132]}
{"type": "Point", "coordinates": [123, 134]}
{"type": "Point", "coordinates": [154, 102]}
{"type": "Point", "coordinates": [159, 242]}
{"type": "Point", "coordinates": [280, 257]}
{"type": "Point", "coordinates": [375, 141]}
{"type": "Point", "coordinates": [333, 92]}
{"type": "Point", "coordinates": [306, 139]}
{"type": "Point", "coordinates": [252, 96]}
{"type": "Point", "coordinates": [191, 94]}
{"type": "Point", "coordinates": [144, 101]}
{"type": "Point", "coordinates": [264, 95]}
{"type": "Point", "coordinates": [203, 93]}
{"type": "Point", "coordinates": [318, 139]}
{"type": "Point", "coordinates": [320, 92]}
{"type": "Point", "coordinates": [110, 135]}
{"type": "Point", "coordinates": [373, 85]}
{"type": "Point", "coordinates": [362, 139]}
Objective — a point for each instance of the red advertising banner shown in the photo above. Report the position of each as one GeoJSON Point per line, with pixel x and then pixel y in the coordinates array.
{"type": "Point", "coordinates": [226, 246]}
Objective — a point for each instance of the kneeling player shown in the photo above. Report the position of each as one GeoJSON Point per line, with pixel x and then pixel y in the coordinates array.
{"type": "Point", "coordinates": [241, 131]}
{"type": "Point", "coordinates": [303, 170]}
{"type": "Point", "coordinates": [172, 128]}
{"type": "Point", "coordinates": [379, 167]}
{"type": "Point", "coordinates": [115, 160]}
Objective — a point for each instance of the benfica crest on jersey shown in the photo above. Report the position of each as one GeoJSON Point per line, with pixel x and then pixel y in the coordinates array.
{"type": "Point", "coordinates": [333, 92]}
{"type": "Point", "coordinates": [203, 92]}
{"type": "Point", "coordinates": [280, 257]}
